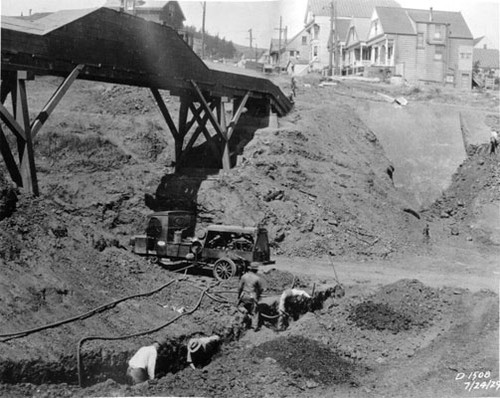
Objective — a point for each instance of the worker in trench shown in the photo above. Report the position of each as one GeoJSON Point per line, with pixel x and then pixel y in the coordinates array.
{"type": "Point", "coordinates": [201, 349]}
{"type": "Point", "coordinates": [141, 366]}
{"type": "Point", "coordinates": [288, 299]}
{"type": "Point", "coordinates": [249, 293]}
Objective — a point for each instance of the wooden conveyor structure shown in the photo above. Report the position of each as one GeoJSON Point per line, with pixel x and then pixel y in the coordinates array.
{"type": "Point", "coordinates": [109, 46]}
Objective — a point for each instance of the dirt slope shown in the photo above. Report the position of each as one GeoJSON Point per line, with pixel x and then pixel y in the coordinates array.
{"type": "Point", "coordinates": [319, 183]}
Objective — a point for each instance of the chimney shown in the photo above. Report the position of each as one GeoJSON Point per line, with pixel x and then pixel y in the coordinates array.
{"type": "Point", "coordinates": [30, 12]}
{"type": "Point", "coordinates": [431, 17]}
{"type": "Point", "coordinates": [485, 46]}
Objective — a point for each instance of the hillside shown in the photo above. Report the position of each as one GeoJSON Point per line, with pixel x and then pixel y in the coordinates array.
{"type": "Point", "coordinates": [319, 183]}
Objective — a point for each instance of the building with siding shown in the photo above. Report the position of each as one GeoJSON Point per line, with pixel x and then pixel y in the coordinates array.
{"type": "Point", "coordinates": [420, 45]}
{"type": "Point", "coordinates": [327, 23]}
{"type": "Point", "coordinates": [292, 52]}
{"type": "Point", "coordinates": [163, 12]}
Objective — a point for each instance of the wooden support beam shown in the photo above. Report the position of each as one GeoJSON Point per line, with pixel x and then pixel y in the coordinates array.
{"type": "Point", "coordinates": [201, 127]}
{"type": "Point", "coordinates": [28, 169]}
{"type": "Point", "coordinates": [195, 111]}
{"type": "Point", "coordinates": [9, 160]}
{"type": "Point", "coordinates": [42, 117]}
{"type": "Point", "coordinates": [164, 111]}
{"type": "Point", "coordinates": [179, 140]}
{"type": "Point", "coordinates": [237, 116]}
{"type": "Point", "coordinates": [6, 88]}
{"type": "Point", "coordinates": [11, 123]}
{"type": "Point", "coordinates": [226, 160]}
{"type": "Point", "coordinates": [211, 116]}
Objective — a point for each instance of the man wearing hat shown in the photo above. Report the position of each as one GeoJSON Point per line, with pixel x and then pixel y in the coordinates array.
{"type": "Point", "coordinates": [142, 365]}
{"type": "Point", "coordinates": [249, 293]}
{"type": "Point", "coordinates": [199, 350]}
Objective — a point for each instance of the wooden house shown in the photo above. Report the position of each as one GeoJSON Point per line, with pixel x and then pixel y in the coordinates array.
{"type": "Point", "coordinates": [293, 53]}
{"type": "Point", "coordinates": [420, 45]}
{"type": "Point", "coordinates": [328, 20]}
{"type": "Point", "coordinates": [167, 13]}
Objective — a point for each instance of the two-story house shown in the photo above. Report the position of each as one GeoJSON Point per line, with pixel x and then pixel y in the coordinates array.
{"type": "Point", "coordinates": [293, 54]}
{"type": "Point", "coordinates": [327, 23]}
{"type": "Point", "coordinates": [163, 12]}
{"type": "Point", "coordinates": [420, 45]}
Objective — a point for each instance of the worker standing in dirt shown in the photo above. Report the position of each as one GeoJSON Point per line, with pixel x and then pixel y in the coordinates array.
{"type": "Point", "coordinates": [493, 141]}
{"type": "Point", "coordinates": [294, 86]}
{"type": "Point", "coordinates": [249, 293]}
{"type": "Point", "coordinates": [141, 366]}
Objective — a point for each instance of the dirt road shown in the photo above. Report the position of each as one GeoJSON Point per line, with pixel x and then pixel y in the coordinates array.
{"type": "Point", "coordinates": [446, 266]}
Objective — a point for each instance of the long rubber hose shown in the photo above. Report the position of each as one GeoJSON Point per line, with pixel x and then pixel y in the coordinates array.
{"type": "Point", "coordinates": [83, 339]}
{"type": "Point", "coordinates": [15, 335]}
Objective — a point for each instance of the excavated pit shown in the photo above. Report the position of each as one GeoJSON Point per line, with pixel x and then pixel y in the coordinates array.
{"type": "Point", "coordinates": [100, 363]}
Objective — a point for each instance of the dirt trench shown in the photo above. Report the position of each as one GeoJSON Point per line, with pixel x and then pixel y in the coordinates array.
{"type": "Point", "coordinates": [100, 363]}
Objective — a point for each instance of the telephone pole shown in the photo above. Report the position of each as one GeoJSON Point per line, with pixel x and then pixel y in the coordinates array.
{"type": "Point", "coordinates": [203, 31]}
{"type": "Point", "coordinates": [279, 41]}
{"type": "Point", "coordinates": [330, 43]}
{"type": "Point", "coordinates": [250, 38]}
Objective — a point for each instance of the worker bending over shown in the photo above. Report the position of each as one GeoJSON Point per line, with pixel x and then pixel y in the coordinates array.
{"type": "Point", "coordinates": [249, 293]}
{"type": "Point", "coordinates": [287, 297]}
{"type": "Point", "coordinates": [199, 350]}
{"type": "Point", "coordinates": [141, 366]}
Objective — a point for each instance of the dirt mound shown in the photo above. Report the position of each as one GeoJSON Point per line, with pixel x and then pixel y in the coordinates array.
{"type": "Point", "coordinates": [276, 281]}
{"type": "Point", "coordinates": [369, 315]}
{"type": "Point", "coordinates": [468, 208]}
{"type": "Point", "coordinates": [309, 358]}
{"type": "Point", "coordinates": [399, 306]}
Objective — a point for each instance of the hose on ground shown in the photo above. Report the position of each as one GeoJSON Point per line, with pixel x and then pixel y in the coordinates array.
{"type": "Point", "coordinates": [14, 335]}
{"type": "Point", "coordinates": [143, 333]}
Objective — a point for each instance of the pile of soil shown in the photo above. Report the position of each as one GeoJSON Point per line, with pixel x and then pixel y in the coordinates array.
{"type": "Point", "coordinates": [399, 306]}
{"type": "Point", "coordinates": [369, 315]}
{"type": "Point", "coordinates": [309, 358]}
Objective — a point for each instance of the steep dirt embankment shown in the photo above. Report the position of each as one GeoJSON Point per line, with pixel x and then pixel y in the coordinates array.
{"type": "Point", "coordinates": [319, 183]}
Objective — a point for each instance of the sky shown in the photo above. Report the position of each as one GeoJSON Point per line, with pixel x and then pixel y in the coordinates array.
{"type": "Point", "coordinates": [232, 19]}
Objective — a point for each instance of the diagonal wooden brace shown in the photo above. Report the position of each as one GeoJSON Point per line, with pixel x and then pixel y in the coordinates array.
{"type": "Point", "coordinates": [164, 111]}
{"type": "Point", "coordinates": [237, 115]}
{"type": "Point", "coordinates": [12, 123]}
{"type": "Point", "coordinates": [211, 116]}
{"type": "Point", "coordinates": [42, 117]}
{"type": "Point", "coordinates": [9, 160]}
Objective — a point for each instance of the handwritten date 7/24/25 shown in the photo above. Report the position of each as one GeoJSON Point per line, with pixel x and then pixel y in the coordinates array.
{"type": "Point", "coordinates": [478, 381]}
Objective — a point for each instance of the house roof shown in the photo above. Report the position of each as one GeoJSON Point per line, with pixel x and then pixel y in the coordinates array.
{"type": "Point", "coordinates": [458, 27]}
{"type": "Point", "coordinates": [349, 8]}
{"type": "Point", "coordinates": [394, 20]}
{"type": "Point", "coordinates": [362, 28]}
{"type": "Point", "coordinates": [46, 24]}
{"type": "Point", "coordinates": [144, 5]}
{"type": "Point", "coordinates": [34, 17]}
{"type": "Point", "coordinates": [487, 58]}
{"type": "Point", "coordinates": [477, 40]}
{"type": "Point", "coordinates": [343, 28]}
{"type": "Point", "coordinates": [399, 20]}
{"type": "Point", "coordinates": [296, 41]}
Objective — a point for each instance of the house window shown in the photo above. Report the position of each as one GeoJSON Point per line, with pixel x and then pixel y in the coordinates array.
{"type": "Point", "coordinates": [304, 40]}
{"type": "Point", "coordinates": [316, 32]}
{"type": "Point", "coordinates": [375, 27]}
{"type": "Point", "coordinates": [465, 55]}
{"type": "Point", "coordinates": [439, 32]}
{"type": "Point", "coordinates": [315, 51]}
{"type": "Point", "coordinates": [420, 40]}
{"type": "Point", "coordinates": [438, 53]}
